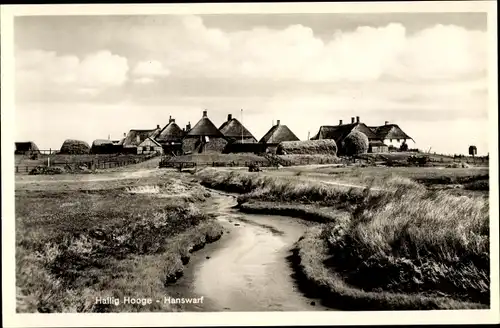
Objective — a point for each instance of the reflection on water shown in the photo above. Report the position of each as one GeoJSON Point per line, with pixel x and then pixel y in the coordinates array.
{"type": "Point", "coordinates": [248, 270]}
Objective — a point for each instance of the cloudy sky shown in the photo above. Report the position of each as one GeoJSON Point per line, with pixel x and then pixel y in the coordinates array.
{"type": "Point", "coordinates": [87, 77]}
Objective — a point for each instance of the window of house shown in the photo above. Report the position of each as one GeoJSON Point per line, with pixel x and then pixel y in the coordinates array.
{"type": "Point", "coordinates": [144, 148]}
{"type": "Point", "coordinates": [397, 140]}
{"type": "Point", "coordinates": [152, 148]}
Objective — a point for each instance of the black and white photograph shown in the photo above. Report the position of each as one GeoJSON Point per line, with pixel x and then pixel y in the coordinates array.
{"type": "Point", "coordinates": [310, 162]}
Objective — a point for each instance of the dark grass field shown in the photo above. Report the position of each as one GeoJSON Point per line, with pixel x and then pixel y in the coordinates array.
{"type": "Point", "coordinates": [403, 239]}
{"type": "Point", "coordinates": [105, 239]}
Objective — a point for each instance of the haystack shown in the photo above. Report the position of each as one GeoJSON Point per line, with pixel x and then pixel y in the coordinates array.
{"type": "Point", "coordinates": [74, 147]}
{"type": "Point", "coordinates": [355, 143]}
{"type": "Point", "coordinates": [310, 147]}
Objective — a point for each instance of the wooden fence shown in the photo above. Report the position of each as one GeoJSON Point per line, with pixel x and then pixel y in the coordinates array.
{"type": "Point", "coordinates": [89, 164]}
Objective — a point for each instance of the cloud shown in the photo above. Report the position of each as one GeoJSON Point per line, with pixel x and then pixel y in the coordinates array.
{"type": "Point", "coordinates": [42, 71]}
{"type": "Point", "coordinates": [189, 48]}
{"type": "Point", "coordinates": [184, 47]}
{"type": "Point", "coordinates": [152, 68]}
{"type": "Point", "coordinates": [144, 80]}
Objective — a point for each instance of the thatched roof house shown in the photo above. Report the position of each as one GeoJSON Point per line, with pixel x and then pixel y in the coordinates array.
{"type": "Point", "coordinates": [171, 133]}
{"type": "Point", "coordinates": [26, 147]}
{"type": "Point", "coordinates": [277, 134]}
{"type": "Point", "coordinates": [74, 147]}
{"type": "Point", "coordinates": [149, 146]}
{"type": "Point", "coordinates": [234, 131]}
{"type": "Point", "coordinates": [204, 137]}
{"type": "Point", "coordinates": [135, 137]}
{"type": "Point", "coordinates": [339, 132]}
{"type": "Point", "coordinates": [105, 146]}
{"type": "Point", "coordinates": [390, 131]}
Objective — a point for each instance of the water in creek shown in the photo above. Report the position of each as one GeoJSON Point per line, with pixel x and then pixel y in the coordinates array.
{"type": "Point", "coordinates": [247, 269]}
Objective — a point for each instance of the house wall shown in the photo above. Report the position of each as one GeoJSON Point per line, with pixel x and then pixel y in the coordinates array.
{"type": "Point", "coordinates": [394, 142]}
{"type": "Point", "coordinates": [149, 147]}
{"type": "Point", "coordinates": [190, 145]}
{"type": "Point", "coordinates": [271, 148]}
{"type": "Point", "coordinates": [245, 148]}
{"type": "Point", "coordinates": [215, 145]}
{"type": "Point", "coordinates": [196, 144]}
{"type": "Point", "coordinates": [378, 149]}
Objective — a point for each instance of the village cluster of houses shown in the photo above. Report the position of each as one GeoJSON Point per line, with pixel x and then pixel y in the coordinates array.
{"type": "Point", "coordinates": [232, 137]}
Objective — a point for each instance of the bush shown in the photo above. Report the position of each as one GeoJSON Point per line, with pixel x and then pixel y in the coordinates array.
{"type": "Point", "coordinates": [355, 143]}
{"type": "Point", "coordinates": [47, 170]}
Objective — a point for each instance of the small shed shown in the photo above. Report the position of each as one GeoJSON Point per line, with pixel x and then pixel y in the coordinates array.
{"type": "Point", "coordinates": [376, 146]}
{"type": "Point", "coordinates": [149, 146]}
{"type": "Point", "coordinates": [25, 148]}
{"type": "Point", "coordinates": [103, 146]}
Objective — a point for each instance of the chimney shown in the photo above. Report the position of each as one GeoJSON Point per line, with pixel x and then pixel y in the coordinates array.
{"type": "Point", "coordinates": [386, 122]}
{"type": "Point", "coordinates": [183, 129]}
{"type": "Point", "coordinates": [340, 122]}
{"type": "Point", "coordinates": [170, 118]}
{"type": "Point", "coordinates": [173, 120]}
{"type": "Point", "coordinates": [138, 138]}
{"type": "Point", "coordinates": [157, 126]}
{"type": "Point", "coordinates": [188, 126]}
{"type": "Point", "coordinates": [352, 120]}
{"type": "Point", "coordinates": [278, 122]}
{"type": "Point", "coordinates": [229, 117]}
{"type": "Point", "coordinates": [124, 134]}
{"type": "Point", "coordinates": [204, 113]}
{"type": "Point", "coordinates": [357, 119]}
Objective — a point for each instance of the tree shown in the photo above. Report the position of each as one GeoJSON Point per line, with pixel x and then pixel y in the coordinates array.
{"type": "Point", "coordinates": [355, 143]}
{"type": "Point", "coordinates": [404, 146]}
{"type": "Point", "coordinates": [472, 150]}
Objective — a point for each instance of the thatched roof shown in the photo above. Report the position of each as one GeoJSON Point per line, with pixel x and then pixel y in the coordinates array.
{"type": "Point", "coordinates": [277, 134]}
{"type": "Point", "coordinates": [152, 140]}
{"type": "Point", "coordinates": [26, 146]}
{"type": "Point", "coordinates": [71, 146]}
{"type": "Point", "coordinates": [233, 128]}
{"type": "Point", "coordinates": [247, 140]}
{"type": "Point", "coordinates": [390, 131]}
{"type": "Point", "coordinates": [205, 127]}
{"type": "Point", "coordinates": [171, 132]}
{"type": "Point", "coordinates": [101, 142]}
{"type": "Point", "coordinates": [135, 137]}
{"type": "Point", "coordinates": [118, 142]}
{"type": "Point", "coordinates": [339, 132]}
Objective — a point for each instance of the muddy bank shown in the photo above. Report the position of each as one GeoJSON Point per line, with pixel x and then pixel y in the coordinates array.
{"type": "Point", "coordinates": [309, 256]}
